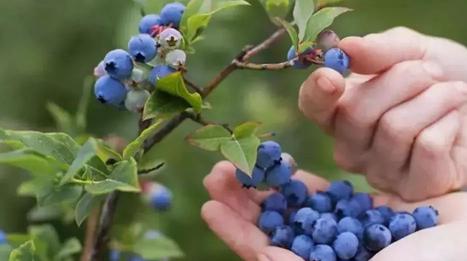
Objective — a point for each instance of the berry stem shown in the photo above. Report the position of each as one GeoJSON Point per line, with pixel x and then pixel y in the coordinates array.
{"type": "Point", "coordinates": [264, 66]}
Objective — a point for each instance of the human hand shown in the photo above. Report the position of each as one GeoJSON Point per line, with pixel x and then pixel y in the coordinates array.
{"type": "Point", "coordinates": [233, 211]}
{"type": "Point", "coordinates": [402, 119]}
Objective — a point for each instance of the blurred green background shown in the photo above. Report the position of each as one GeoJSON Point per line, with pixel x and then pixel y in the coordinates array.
{"type": "Point", "coordinates": [47, 48]}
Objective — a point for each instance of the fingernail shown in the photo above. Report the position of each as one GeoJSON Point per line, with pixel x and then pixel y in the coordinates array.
{"type": "Point", "coordinates": [433, 69]}
{"type": "Point", "coordinates": [262, 257]}
{"type": "Point", "coordinates": [326, 85]}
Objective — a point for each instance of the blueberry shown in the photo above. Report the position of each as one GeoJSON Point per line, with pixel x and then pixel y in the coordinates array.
{"type": "Point", "coordinates": [387, 213]}
{"type": "Point", "coordinates": [324, 230]}
{"type": "Point", "coordinates": [347, 208]}
{"type": "Point", "coordinates": [275, 202]}
{"type": "Point", "coordinates": [160, 197]}
{"type": "Point", "coordinates": [329, 215]}
{"type": "Point", "coordinates": [109, 90]}
{"type": "Point", "coordinates": [341, 189]}
{"type": "Point", "coordinates": [114, 255]}
{"type": "Point", "coordinates": [364, 200]}
{"type": "Point", "coordinates": [401, 225]}
{"type": "Point", "coordinates": [142, 48]}
{"type": "Point", "coordinates": [336, 59]}
{"type": "Point", "coordinates": [328, 39]}
{"type": "Point", "coordinates": [170, 39]}
{"type": "Point", "coordinates": [322, 253]}
{"type": "Point", "coordinates": [279, 175]}
{"type": "Point", "coordinates": [321, 202]}
{"type": "Point", "coordinates": [350, 224]}
{"type": "Point", "coordinates": [287, 158]}
{"type": "Point", "coordinates": [291, 217]}
{"type": "Point", "coordinates": [295, 192]}
{"type": "Point", "coordinates": [135, 100]}
{"type": "Point", "coordinates": [425, 217]}
{"type": "Point", "coordinates": [269, 220]}
{"type": "Point", "coordinates": [376, 237]}
{"type": "Point", "coordinates": [300, 63]}
{"type": "Point", "coordinates": [171, 14]}
{"type": "Point", "coordinates": [256, 177]}
{"type": "Point", "coordinates": [304, 220]}
{"type": "Point", "coordinates": [99, 70]}
{"type": "Point", "coordinates": [118, 64]}
{"type": "Point", "coordinates": [346, 245]}
{"type": "Point", "coordinates": [160, 71]}
{"type": "Point", "coordinates": [136, 258]}
{"type": "Point", "coordinates": [269, 152]}
{"type": "Point", "coordinates": [362, 254]}
{"type": "Point", "coordinates": [148, 22]}
{"type": "Point", "coordinates": [282, 236]}
{"type": "Point", "coordinates": [176, 59]}
{"type": "Point", "coordinates": [3, 238]}
{"type": "Point", "coordinates": [372, 216]}
{"type": "Point", "coordinates": [302, 246]}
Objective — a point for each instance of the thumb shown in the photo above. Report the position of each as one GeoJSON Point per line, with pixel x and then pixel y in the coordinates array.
{"type": "Point", "coordinates": [375, 53]}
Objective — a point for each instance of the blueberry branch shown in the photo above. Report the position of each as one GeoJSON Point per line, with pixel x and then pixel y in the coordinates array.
{"type": "Point", "coordinates": [264, 66]}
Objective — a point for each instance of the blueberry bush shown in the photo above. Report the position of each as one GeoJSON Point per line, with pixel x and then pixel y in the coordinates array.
{"type": "Point", "coordinates": [76, 175]}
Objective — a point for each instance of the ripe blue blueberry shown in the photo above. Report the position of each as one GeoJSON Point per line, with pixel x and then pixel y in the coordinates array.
{"type": "Point", "coordinates": [362, 254]}
{"type": "Point", "coordinates": [401, 225]}
{"type": "Point", "coordinates": [110, 91]}
{"type": "Point", "coordinates": [425, 217]}
{"type": "Point", "coordinates": [142, 48]}
{"type": "Point", "coordinates": [372, 216]}
{"type": "Point", "coordinates": [340, 189]}
{"type": "Point", "coordinates": [322, 253]}
{"type": "Point", "coordinates": [269, 220]}
{"type": "Point", "coordinates": [118, 64]}
{"type": "Point", "coordinates": [376, 237]}
{"type": "Point", "coordinates": [135, 100]}
{"type": "Point", "coordinates": [171, 14]}
{"type": "Point", "coordinates": [295, 192]}
{"type": "Point", "coordinates": [320, 202]}
{"type": "Point", "coordinates": [136, 258]}
{"type": "Point", "coordinates": [350, 224]}
{"type": "Point", "coordinates": [329, 215]}
{"type": "Point", "coordinates": [302, 246]}
{"type": "Point", "coordinates": [269, 152]}
{"type": "Point", "coordinates": [364, 200]}
{"type": "Point", "coordinates": [279, 174]}
{"type": "Point", "coordinates": [304, 220]}
{"type": "Point", "coordinates": [387, 213]}
{"type": "Point", "coordinates": [291, 217]}
{"type": "Point", "coordinates": [148, 22]}
{"type": "Point", "coordinates": [160, 197]}
{"type": "Point", "coordinates": [324, 230]}
{"type": "Point", "coordinates": [114, 255]}
{"type": "Point", "coordinates": [347, 208]}
{"type": "Point", "coordinates": [346, 245]}
{"type": "Point", "coordinates": [282, 236]}
{"type": "Point", "coordinates": [170, 39]}
{"type": "Point", "coordinates": [300, 63]}
{"type": "Point", "coordinates": [256, 177]}
{"type": "Point", "coordinates": [160, 71]}
{"type": "Point", "coordinates": [275, 202]}
{"type": "Point", "coordinates": [3, 238]}
{"type": "Point", "coordinates": [336, 59]}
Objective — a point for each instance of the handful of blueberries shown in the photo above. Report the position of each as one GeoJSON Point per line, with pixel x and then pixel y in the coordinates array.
{"type": "Point", "coordinates": [336, 224]}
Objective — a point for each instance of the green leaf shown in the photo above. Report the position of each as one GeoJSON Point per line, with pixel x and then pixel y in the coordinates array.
{"type": "Point", "coordinates": [30, 160]}
{"type": "Point", "coordinates": [105, 153]}
{"type": "Point", "coordinates": [277, 8]}
{"type": "Point", "coordinates": [62, 118]}
{"type": "Point", "coordinates": [46, 241]}
{"type": "Point", "coordinates": [163, 105]}
{"type": "Point", "coordinates": [291, 31]}
{"type": "Point", "coordinates": [246, 129]}
{"type": "Point", "coordinates": [135, 145]}
{"type": "Point", "coordinates": [157, 248]}
{"type": "Point", "coordinates": [16, 240]}
{"type": "Point", "coordinates": [321, 20]}
{"type": "Point", "coordinates": [175, 85]}
{"type": "Point", "coordinates": [124, 177]}
{"type": "Point", "coordinates": [150, 163]}
{"type": "Point", "coordinates": [70, 247]}
{"type": "Point", "coordinates": [193, 7]}
{"type": "Point", "coordinates": [323, 3]}
{"type": "Point", "coordinates": [242, 152]}
{"type": "Point", "coordinates": [302, 13]}
{"type": "Point", "coordinates": [25, 252]}
{"type": "Point", "coordinates": [59, 195]}
{"type": "Point", "coordinates": [85, 205]}
{"type": "Point", "coordinates": [209, 137]}
{"type": "Point", "coordinates": [85, 154]}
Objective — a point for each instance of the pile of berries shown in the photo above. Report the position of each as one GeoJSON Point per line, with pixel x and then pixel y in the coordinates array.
{"type": "Point", "coordinates": [123, 77]}
{"type": "Point", "coordinates": [325, 52]}
{"type": "Point", "coordinates": [336, 224]}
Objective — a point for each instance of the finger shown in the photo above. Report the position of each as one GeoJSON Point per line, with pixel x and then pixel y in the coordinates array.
{"type": "Point", "coordinates": [399, 126]}
{"type": "Point", "coordinates": [277, 254]}
{"type": "Point", "coordinates": [222, 186]}
{"type": "Point", "coordinates": [361, 107]}
{"type": "Point", "coordinates": [375, 53]}
{"type": "Point", "coordinates": [319, 95]}
{"type": "Point", "coordinates": [432, 154]}
{"type": "Point", "coordinates": [243, 237]}
{"type": "Point", "coordinates": [428, 245]}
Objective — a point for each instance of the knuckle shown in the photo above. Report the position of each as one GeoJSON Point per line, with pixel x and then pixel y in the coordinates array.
{"type": "Point", "coordinates": [431, 144]}
{"type": "Point", "coordinates": [403, 30]}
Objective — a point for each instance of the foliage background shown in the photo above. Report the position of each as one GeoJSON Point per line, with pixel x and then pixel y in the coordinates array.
{"type": "Point", "coordinates": [48, 47]}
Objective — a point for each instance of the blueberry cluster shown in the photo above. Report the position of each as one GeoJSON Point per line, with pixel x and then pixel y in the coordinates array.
{"type": "Point", "coordinates": [157, 195]}
{"type": "Point", "coordinates": [122, 77]}
{"type": "Point", "coordinates": [336, 224]}
{"type": "Point", "coordinates": [325, 52]}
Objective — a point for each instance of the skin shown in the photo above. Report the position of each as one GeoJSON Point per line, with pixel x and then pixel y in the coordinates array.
{"type": "Point", "coordinates": [398, 119]}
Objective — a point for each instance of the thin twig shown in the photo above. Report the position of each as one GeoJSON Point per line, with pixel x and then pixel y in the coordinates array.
{"type": "Point", "coordinates": [264, 66]}
{"type": "Point", "coordinates": [91, 225]}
